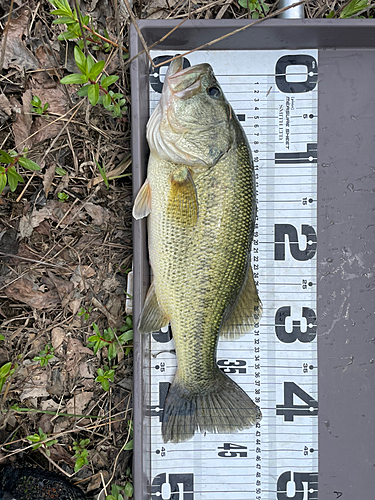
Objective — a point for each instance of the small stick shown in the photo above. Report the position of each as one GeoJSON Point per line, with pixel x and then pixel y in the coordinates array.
{"type": "Point", "coordinates": [138, 31]}
{"type": "Point", "coordinates": [212, 42]}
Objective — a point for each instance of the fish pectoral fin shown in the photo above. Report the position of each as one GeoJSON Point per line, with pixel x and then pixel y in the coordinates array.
{"type": "Point", "coordinates": [183, 202]}
{"type": "Point", "coordinates": [142, 203]}
{"type": "Point", "coordinates": [152, 317]}
{"type": "Point", "coordinates": [245, 312]}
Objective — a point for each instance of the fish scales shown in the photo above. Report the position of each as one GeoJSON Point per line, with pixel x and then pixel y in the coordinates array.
{"type": "Point", "coordinates": [201, 217]}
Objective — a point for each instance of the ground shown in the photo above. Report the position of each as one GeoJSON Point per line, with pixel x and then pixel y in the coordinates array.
{"type": "Point", "coordinates": [65, 236]}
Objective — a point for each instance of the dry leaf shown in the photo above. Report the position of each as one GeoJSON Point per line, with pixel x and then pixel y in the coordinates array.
{"type": "Point", "coordinates": [98, 214]}
{"type": "Point", "coordinates": [22, 291]}
{"type": "Point", "coordinates": [78, 404]}
{"type": "Point", "coordinates": [35, 385]}
{"type": "Point", "coordinates": [58, 337]}
{"type": "Point", "coordinates": [56, 385]}
{"type": "Point", "coordinates": [48, 177]}
{"type": "Point", "coordinates": [22, 126]}
{"type": "Point", "coordinates": [17, 55]}
{"type": "Point", "coordinates": [64, 288]}
{"type": "Point", "coordinates": [54, 210]}
{"type": "Point", "coordinates": [74, 353]}
{"type": "Point", "coordinates": [5, 109]}
{"type": "Point", "coordinates": [48, 90]}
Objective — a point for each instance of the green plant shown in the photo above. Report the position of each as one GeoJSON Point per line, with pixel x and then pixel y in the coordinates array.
{"type": "Point", "coordinates": [257, 8]}
{"type": "Point", "coordinates": [103, 174]}
{"type": "Point", "coordinates": [116, 492]}
{"type": "Point", "coordinates": [42, 441]}
{"type": "Point", "coordinates": [89, 73]}
{"type": "Point", "coordinates": [351, 10]}
{"type": "Point", "coordinates": [86, 314]}
{"type": "Point", "coordinates": [110, 340]}
{"type": "Point", "coordinates": [45, 355]}
{"type": "Point", "coordinates": [72, 19]}
{"type": "Point", "coordinates": [105, 376]}
{"type": "Point", "coordinates": [6, 371]}
{"type": "Point", "coordinates": [37, 107]}
{"type": "Point", "coordinates": [63, 196]}
{"type": "Point", "coordinates": [9, 172]}
{"type": "Point", "coordinates": [60, 171]}
{"type": "Point", "coordinates": [2, 337]}
{"type": "Point", "coordinates": [81, 454]}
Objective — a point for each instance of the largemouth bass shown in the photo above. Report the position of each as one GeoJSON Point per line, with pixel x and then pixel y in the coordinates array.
{"type": "Point", "coordinates": [200, 200]}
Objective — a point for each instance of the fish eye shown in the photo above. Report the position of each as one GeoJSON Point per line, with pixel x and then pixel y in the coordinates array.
{"type": "Point", "coordinates": [214, 92]}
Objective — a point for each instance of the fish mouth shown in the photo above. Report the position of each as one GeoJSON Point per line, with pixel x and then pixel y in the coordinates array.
{"type": "Point", "coordinates": [184, 83]}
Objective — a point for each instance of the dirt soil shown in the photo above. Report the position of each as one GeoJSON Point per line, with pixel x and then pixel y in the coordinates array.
{"type": "Point", "coordinates": [66, 240]}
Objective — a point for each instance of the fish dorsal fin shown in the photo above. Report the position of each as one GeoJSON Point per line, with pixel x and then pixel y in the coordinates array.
{"type": "Point", "coordinates": [245, 312]}
{"type": "Point", "coordinates": [152, 317]}
{"type": "Point", "coordinates": [142, 203]}
{"type": "Point", "coordinates": [182, 202]}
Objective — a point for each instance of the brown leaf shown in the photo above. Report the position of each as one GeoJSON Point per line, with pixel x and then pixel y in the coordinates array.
{"type": "Point", "coordinates": [48, 90]}
{"type": "Point", "coordinates": [54, 210]}
{"type": "Point", "coordinates": [36, 385]}
{"type": "Point", "coordinates": [17, 55]}
{"type": "Point", "coordinates": [64, 288]}
{"type": "Point", "coordinates": [22, 126]}
{"type": "Point", "coordinates": [59, 453]}
{"type": "Point", "coordinates": [5, 109]}
{"type": "Point", "coordinates": [58, 337]}
{"type": "Point", "coordinates": [22, 291]}
{"type": "Point", "coordinates": [56, 385]}
{"type": "Point", "coordinates": [48, 177]}
{"type": "Point", "coordinates": [78, 404]}
{"type": "Point", "coordinates": [43, 228]}
{"type": "Point", "coordinates": [98, 214]}
{"type": "Point", "coordinates": [74, 353]}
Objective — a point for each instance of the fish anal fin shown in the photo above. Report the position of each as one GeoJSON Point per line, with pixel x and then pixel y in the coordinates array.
{"type": "Point", "coordinates": [152, 317]}
{"type": "Point", "coordinates": [142, 203]}
{"type": "Point", "coordinates": [182, 202]}
{"type": "Point", "coordinates": [246, 311]}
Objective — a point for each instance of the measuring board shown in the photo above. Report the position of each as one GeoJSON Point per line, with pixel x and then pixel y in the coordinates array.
{"type": "Point", "coordinates": [312, 256]}
{"type": "Point", "coordinates": [274, 94]}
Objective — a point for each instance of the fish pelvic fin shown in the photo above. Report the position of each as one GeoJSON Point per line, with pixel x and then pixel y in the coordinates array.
{"type": "Point", "coordinates": [142, 203]}
{"type": "Point", "coordinates": [245, 313]}
{"type": "Point", "coordinates": [152, 317]}
{"type": "Point", "coordinates": [183, 202]}
{"type": "Point", "coordinates": [221, 407]}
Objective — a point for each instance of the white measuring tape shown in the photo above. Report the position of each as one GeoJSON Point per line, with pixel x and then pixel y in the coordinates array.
{"type": "Point", "coordinates": [274, 94]}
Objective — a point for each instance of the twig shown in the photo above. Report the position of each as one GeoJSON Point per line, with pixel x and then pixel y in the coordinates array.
{"type": "Point", "coordinates": [156, 43]}
{"type": "Point", "coordinates": [31, 260]}
{"type": "Point", "coordinates": [212, 42]}
{"type": "Point", "coordinates": [134, 21]}
{"type": "Point", "coordinates": [104, 38]}
{"type": "Point", "coordinates": [5, 37]}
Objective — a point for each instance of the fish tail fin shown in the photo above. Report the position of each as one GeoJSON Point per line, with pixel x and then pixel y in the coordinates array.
{"type": "Point", "coordinates": [220, 407]}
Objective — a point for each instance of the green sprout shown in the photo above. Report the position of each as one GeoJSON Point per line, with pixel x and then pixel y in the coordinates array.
{"type": "Point", "coordinates": [105, 376]}
{"type": "Point", "coordinates": [36, 103]}
{"type": "Point", "coordinates": [63, 196]}
{"type": "Point", "coordinates": [103, 174]}
{"type": "Point", "coordinates": [257, 8]}
{"type": "Point", "coordinates": [110, 339]}
{"type": "Point", "coordinates": [6, 371]}
{"type": "Point", "coordinates": [89, 77]}
{"type": "Point", "coordinates": [116, 492]}
{"type": "Point", "coordinates": [45, 355]}
{"type": "Point", "coordinates": [81, 454]}
{"type": "Point", "coordinates": [86, 314]}
{"type": "Point", "coordinates": [41, 440]}
{"type": "Point", "coordinates": [9, 172]}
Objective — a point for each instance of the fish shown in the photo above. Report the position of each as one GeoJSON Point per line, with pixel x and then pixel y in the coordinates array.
{"type": "Point", "coordinates": [200, 200]}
